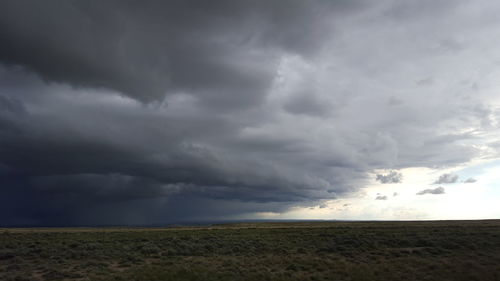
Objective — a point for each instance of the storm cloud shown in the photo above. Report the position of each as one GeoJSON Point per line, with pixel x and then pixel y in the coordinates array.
{"type": "Point", "coordinates": [140, 112]}
{"type": "Point", "coordinates": [147, 50]}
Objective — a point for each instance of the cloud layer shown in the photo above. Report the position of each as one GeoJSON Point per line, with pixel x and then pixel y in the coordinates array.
{"type": "Point", "coordinates": [127, 113]}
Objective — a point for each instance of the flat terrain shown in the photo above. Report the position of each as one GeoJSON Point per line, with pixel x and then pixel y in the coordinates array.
{"type": "Point", "coordinates": [438, 250]}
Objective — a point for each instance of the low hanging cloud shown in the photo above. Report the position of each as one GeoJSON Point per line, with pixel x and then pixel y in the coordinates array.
{"type": "Point", "coordinates": [446, 179]}
{"type": "Point", "coordinates": [391, 177]}
{"type": "Point", "coordinates": [437, 190]}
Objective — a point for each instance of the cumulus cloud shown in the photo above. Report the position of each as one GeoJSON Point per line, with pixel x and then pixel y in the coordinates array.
{"type": "Point", "coordinates": [391, 177]}
{"type": "Point", "coordinates": [446, 178]}
{"type": "Point", "coordinates": [437, 190]}
{"type": "Point", "coordinates": [120, 112]}
{"type": "Point", "coordinates": [470, 180]}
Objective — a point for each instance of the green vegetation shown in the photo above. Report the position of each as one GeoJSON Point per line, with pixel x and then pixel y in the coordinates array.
{"type": "Point", "coordinates": [454, 250]}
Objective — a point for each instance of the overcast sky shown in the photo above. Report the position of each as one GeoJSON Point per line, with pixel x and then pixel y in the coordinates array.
{"type": "Point", "coordinates": [146, 112]}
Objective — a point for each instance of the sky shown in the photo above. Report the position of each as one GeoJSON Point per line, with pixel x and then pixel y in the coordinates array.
{"type": "Point", "coordinates": [127, 112]}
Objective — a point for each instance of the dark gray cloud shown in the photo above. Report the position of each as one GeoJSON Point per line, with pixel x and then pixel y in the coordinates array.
{"type": "Point", "coordinates": [94, 151]}
{"type": "Point", "coordinates": [391, 177]}
{"type": "Point", "coordinates": [155, 111]}
{"type": "Point", "coordinates": [147, 50]}
{"type": "Point", "coordinates": [446, 178]}
{"type": "Point", "coordinates": [381, 197]}
{"type": "Point", "coordinates": [437, 190]}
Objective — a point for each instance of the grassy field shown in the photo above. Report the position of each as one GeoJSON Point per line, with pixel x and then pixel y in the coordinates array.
{"type": "Point", "coordinates": [440, 250]}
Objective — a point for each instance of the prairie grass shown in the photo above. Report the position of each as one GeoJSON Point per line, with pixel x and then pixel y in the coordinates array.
{"type": "Point", "coordinates": [438, 250]}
